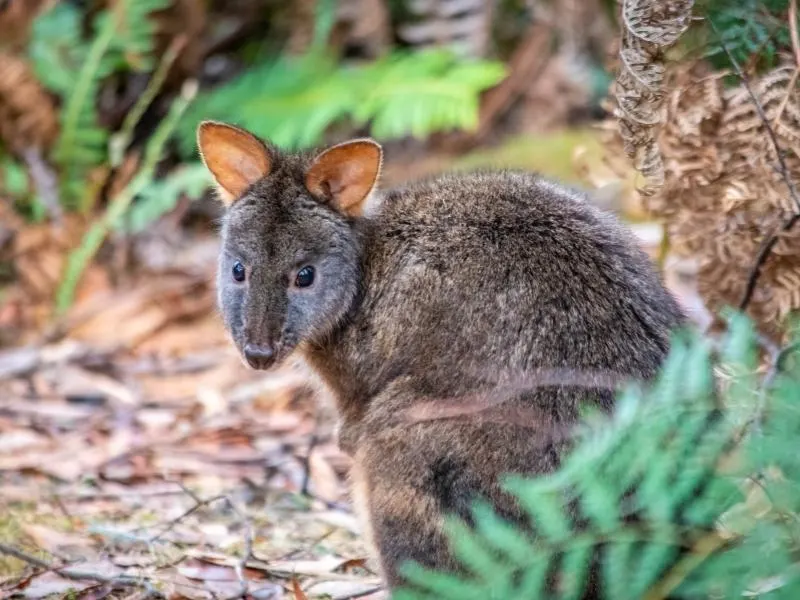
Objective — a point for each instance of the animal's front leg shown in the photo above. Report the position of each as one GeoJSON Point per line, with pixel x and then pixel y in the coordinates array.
{"type": "Point", "coordinates": [401, 518]}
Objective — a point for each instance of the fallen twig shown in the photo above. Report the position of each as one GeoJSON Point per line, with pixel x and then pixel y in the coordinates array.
{"type": "Point", "coordinates": [78, 574]}
{"type": "Point", "coordinates": [248, 548]}
{"type": "Point", "coordinates": [199, 503]}
{"type": "Point", "coordinates": [177, 520]}
{"type": "Point", "coordinates": [45, 181]}
{"type": "Point", "coordinates": [361, 594]}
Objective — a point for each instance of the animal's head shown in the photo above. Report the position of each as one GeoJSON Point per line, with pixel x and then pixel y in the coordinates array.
{"type": "Point", "coordinates": [289, 268]}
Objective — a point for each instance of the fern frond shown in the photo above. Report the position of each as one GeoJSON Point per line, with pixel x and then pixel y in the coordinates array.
{"type": "Point", "coordinates": [291, 101]}
{"type": "Point", "coordinates": [294, 101]}
{"type": "Point", "coordinates": [161, 196]}
{"type": "Point", "coordinates": [754, 31]}
{"type": "Point", "coordinates": [644, 504]}
{"type": "Point", "coordinates": [73, 68]}
{"type": "Point", "coordinates": [56, 49]}
{"type": "Point", "coordinates": [82, 142]}
{"type": "Point", "coordinates": [79, 258]}
{"type": "Point", "coordinates": [425, 92]}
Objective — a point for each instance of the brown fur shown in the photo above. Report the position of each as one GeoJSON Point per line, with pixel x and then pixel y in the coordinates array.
{"type": "Point", "coordinates": [445, 289]}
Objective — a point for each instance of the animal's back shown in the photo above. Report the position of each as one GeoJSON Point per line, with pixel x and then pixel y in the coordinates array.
{"type": "Point", "coordinates": [455, 283]}
{"type": "Point", "coordinates": [473, 276]}
{"type": "Point", "coordinates": [471, 281]}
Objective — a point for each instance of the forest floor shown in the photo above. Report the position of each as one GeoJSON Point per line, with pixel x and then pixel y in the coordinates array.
{"type": "Point", "coordinates": [138, 454]}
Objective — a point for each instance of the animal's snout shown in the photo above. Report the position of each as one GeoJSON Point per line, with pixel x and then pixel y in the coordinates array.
{"type": "Point", "coordinates": [259, 356]}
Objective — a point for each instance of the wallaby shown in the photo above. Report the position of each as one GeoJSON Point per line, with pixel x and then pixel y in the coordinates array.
{"type": "Point", "coordinates": [425, 296]}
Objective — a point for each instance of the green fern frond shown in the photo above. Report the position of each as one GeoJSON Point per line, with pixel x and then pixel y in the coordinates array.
{"type": "Point", "coordinates": [120, 204]}
{"type": "Point", "coordinates": [421, 93]}
{"type": "Point", "coordinates": [74, 69]}
{"type": "Point", "coordinates": [56, 49]}
{"type": "Point", "coordinates": [654, 502]}
{"type": "Point", "coordinates": [13, 180]}
{"type": "Point", "coordinates": [294, 101]}
{"type": "Point", "coordinates": [754, 31]}
{"type": "Point", "coordinates": [291, 101]}
{"type": "Point", "coordinates": [161, 196]}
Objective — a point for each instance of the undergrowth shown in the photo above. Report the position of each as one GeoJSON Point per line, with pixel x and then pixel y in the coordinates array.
{"type": "Point", "coordinates": [690, 490]}
{"type": "Point", "coordinates": [292, 100]}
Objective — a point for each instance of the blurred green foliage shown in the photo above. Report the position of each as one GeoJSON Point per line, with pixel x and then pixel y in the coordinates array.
{"type": "Point", "coordinates": [74, 68]}
{"type": "Point", "coordinates": [293, 101]}
{"type": "Point", "coordinates": [754, 31]}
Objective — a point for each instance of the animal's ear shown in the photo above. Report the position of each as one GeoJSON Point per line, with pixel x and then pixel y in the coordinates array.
{"type": "Point", "coordinates": [235, 157]}
{"type": "Point", "coordinates": [346, 174]}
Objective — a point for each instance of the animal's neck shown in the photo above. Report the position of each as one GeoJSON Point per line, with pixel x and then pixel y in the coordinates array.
{"type": "Point", "coordinates": [336, 357]}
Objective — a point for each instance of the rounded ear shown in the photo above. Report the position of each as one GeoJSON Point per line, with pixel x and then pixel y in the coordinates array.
{"type": "Point", "coordinates": [235, 157]}
{"type": "Point", "coordinates": [345, 175]}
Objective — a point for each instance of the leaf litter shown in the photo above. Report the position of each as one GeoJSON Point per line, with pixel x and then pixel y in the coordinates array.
{"type": "Point", "coordinates": [140, 458]}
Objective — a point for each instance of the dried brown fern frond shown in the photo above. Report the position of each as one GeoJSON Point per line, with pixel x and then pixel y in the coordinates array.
{"type": "Point", "coordinates": [723, 195]}
{"type": "Point", "coordinates": [28, 117]}
{"type": "Point", "coordinates": [464, 25]}
{"type": "Point", "coordinates": [650, 27]}
{"type": "Point", "coordinates": [16, 18]}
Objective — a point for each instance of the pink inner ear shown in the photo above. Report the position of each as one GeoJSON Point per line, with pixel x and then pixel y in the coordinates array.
{"type": "Point", "coordinates": [249, 169]}
{"type": "Point", "coordinates": [345, 174]}
{"type": "Point", "coordinates": [236, 158]}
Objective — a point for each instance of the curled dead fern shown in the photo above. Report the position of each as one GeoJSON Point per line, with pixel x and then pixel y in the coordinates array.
{"type": "Point", "coordinates": [650, 27]}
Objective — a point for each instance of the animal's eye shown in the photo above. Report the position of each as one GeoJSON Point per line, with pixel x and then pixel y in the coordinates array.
{"type": "Point", "coordinates": [238, 271]}
{"type": "Point", "coordinates": [305, 277]}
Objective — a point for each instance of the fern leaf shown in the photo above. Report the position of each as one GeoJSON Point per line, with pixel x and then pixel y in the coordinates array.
{"type": "Point", "coordinates": [123, 37]}
{"type": "Point", "coordinates": [574, 571]}
{"type": "Point", "coordinates": [616, 569]}
{"type": "Point", "coordinates": [654, 558]}
{"type": "Point", "coordinates": [73, 152]}
{"type": "Point", "coordinates": [469, 550]}
{"type": "Point", "coordinates": [440, 585]}
{"type": "Point", "coordinates": [293, 102]}
{"type": "Point", "coordinates": [503, 537]}
{"type": "Point", "coordinates": [668, 545]}
{"type": "Point", "coordinates": [160, 197]}
{"type": "Point", "coordinates": [545, 510]}
{"type": "Point", "coordinates": [420, 93]}
{"type": "Point", "coordinates": [56, 49]}
{"type": "Point", "coordinates": [92, 241]}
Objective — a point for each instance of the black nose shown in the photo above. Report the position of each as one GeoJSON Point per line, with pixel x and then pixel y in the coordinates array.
{"type": "Point", "coordinates": [259, 356]}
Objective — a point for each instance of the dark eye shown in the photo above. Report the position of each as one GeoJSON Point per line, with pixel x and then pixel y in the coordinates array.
{"type": "Point", "coordinates": [305, 277]}
{"type": "Point", "coordinates": [238, 271]}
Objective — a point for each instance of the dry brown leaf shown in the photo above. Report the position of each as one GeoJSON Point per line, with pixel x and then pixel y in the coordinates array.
{"type": "Point", "coordinates": [322, 566]}
{"type": "Point", "coordinates": [299, 594]}
{"type": "Point", "coordinates": [325, 483]}
{"type": "Point", "coordinates": [16, 18]}
{"type": "Point", "coordinates": [343, 589]}
{"type": "Point", "coordinates": [722, 196]}
{"type": "Point", "coordinates": [49, 584]}
{"type": "Point", "coordinates": [21, 440]}
{"type": "Point", "coordinates": [57, 542]}
{"type": "Point", "coordinates": [27, 112]}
